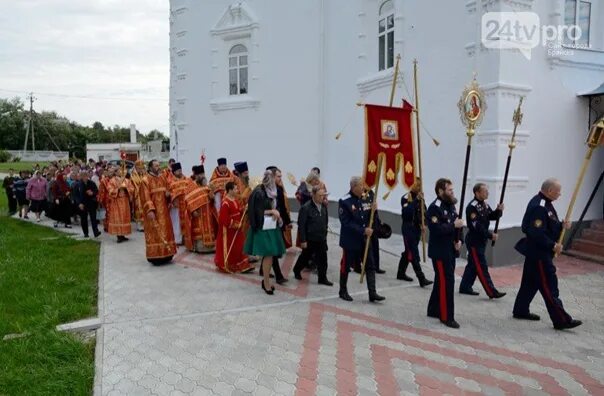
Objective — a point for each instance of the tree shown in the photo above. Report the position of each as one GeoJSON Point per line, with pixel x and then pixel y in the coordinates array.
{"type": "Point", "coordinates": [53, 131]}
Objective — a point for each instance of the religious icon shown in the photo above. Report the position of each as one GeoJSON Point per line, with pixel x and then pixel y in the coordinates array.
{"type": "Point", "coordinates": [472, 106]}
{"type": "Point", "coordinates": [389, 130]}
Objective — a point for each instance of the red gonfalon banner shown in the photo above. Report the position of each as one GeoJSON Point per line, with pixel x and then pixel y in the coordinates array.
{"type": "Point", "coordinates": [388, 135]}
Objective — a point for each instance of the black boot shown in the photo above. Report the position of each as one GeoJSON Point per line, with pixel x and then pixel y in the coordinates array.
{"type": "Point", "coordinates": [373, 296]}
{"type": "Point", "coordinates": [417, 268]}
{"type": "Point", "coordinates": [402, 269]}
{"type": "Point", "coordinates": [343, 287]}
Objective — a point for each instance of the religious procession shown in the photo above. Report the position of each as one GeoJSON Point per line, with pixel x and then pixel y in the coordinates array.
{"type": "Point", "coordinates": [247, 224]}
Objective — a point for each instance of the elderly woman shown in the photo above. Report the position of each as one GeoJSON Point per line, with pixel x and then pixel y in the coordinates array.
{"type": "Point", "coordinates": [264, 238]}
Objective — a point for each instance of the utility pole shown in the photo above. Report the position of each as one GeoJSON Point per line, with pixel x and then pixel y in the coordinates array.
{"type": "Point", "coordinates": [30, 125]}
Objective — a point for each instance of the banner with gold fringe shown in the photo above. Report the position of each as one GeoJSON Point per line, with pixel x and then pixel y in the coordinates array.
{"type": "Point", "coordinates": [388, 135]}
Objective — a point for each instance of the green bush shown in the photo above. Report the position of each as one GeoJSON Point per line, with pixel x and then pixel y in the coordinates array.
{"type": "Point", "coordinates": [4, 156]}
{"type": "Point", "coordinates": [16, 159]}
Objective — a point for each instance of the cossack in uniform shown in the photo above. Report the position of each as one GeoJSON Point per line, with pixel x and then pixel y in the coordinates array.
{"type": "Point", "coordinates": [412, 233]}
{"type": "Point", "coordinates": [441, 249]}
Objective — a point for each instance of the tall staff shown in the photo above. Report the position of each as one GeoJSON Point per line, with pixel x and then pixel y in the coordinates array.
{"type": "Point", "coordinates": [472, 106]}
{"type": "Point", "coordinates": [517, 118]}
{"type": "Point", "coordinates": [595, 139]}
{"type": "Point", "coordinates": [379, 170]}
{"type": "Point", "coordinates": [419, 158]}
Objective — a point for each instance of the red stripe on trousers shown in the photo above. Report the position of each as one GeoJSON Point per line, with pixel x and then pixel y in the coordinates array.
{"type": "Point", "coordinates": [442, 290]}
{"type": "Point", "coordinates": [408, 251]}
{"type": "Point", "coordinates": [481, 276]}
{"type": "Point", "coordinates": [548, 294]}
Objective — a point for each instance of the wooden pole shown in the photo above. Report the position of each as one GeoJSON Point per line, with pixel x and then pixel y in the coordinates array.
{"type": "Point", "coordinates": [517, 121]}
{"type": "Point", "coordinates": [379, 174]}
{"type": "Point", "coordinates": [571, 205]}
{"type": "Point", "coordinates": [419, 159]}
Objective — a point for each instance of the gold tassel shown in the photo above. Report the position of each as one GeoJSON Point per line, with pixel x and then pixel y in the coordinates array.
{"type": "Point", "coordinates": [385, 197]}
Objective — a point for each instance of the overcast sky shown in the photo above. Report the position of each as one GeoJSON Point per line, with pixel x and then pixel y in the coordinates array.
{"type": "Point", "coordinates": [90, 48]}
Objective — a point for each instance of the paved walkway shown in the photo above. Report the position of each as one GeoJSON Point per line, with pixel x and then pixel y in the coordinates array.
{"type": "Point", "coordinates": [186, 329]}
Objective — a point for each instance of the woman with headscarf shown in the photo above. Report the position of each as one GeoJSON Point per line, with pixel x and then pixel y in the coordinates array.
{"type": "Point", "coordinates": [61, 194]}
{"type": "Point", "coordinates": [264, 238]}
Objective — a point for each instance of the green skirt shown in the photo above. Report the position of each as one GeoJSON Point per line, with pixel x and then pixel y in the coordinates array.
{"type": "Point", "coordinates": [264, 243]}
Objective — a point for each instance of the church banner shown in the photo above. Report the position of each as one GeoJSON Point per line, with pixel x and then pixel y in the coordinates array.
{"type": "Point", "coordinates": [388, 135]}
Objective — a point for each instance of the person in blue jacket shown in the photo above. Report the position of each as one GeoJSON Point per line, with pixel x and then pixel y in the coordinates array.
{"type": "Point", "coordinates": [542, 228]}
{"type": "Point", "coordinates": [355, 228]}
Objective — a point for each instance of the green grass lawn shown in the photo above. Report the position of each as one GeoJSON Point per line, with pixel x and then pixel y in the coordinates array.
{"type": "Point", "coordinates": [17, 166]}
{"type": "Point", "coordinates": [46, 278]}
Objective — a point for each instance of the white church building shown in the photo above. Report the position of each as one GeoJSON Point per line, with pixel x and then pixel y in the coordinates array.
{"type": "Point", "coordinates": [272, 82]}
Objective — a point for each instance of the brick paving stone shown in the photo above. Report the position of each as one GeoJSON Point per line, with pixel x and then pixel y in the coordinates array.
{"type": "Point", "coordinates": [184, 328]}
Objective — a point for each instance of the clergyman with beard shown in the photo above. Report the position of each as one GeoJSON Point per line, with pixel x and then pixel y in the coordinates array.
{"type": "Point", "coordinates": [442, 249]}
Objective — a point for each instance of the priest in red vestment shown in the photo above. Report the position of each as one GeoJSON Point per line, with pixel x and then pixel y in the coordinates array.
{"type": "Point", "coordinates": [229, 244]}
{"type": "Point", "coordinates": [201, 219]}
{"type": "Point", "coordinates": [120, 195]}
{"type": "Point", "coordinates": [178, 188]}
{"type": "Point", "coordinates": [159, 238]}
{"type": "Point", "coordinates": [220, 177]}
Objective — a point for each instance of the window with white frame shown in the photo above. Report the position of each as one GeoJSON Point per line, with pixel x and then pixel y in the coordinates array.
{"type": "Point", "coordinates": [386, 35]}
{"type": "Point", "coordinates": [238, 70]}
{"type": "Point", "coordinates": [577, 13]}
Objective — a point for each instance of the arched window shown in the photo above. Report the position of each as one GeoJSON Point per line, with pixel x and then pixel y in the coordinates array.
{"type": "Point", "coordinates": [238, 70]}
{"type": "Point", "coordinates": [386, 35]}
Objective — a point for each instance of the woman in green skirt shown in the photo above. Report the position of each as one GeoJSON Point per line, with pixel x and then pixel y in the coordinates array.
{"type": "Point", "coordinates": [264, 238]}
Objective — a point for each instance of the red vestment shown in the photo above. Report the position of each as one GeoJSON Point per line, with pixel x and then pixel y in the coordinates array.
{"type": "Point", "coordinates": [159, 238]}
{"type": "Point", "coordinates": [201, 219]}
{"type": "Point", "coordinates": [229, 244]}
{"type": "Point", "coordinates": [178, 188]}
{"type": "Point", "coordinates": [120, 191]}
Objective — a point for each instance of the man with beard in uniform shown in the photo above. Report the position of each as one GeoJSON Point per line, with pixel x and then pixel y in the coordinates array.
{"type": "Point", "coordinates": [442, 249]}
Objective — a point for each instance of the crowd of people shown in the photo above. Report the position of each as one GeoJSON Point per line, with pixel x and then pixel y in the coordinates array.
{"type": "Point", "coordinates": [243, 222]}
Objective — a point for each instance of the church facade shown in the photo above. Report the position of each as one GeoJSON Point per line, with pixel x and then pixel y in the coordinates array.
{"type": "Point", "coordinates": [274, 82]}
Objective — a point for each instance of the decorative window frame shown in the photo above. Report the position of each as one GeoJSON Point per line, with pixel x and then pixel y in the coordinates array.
{"type": "Point", "coordinates": [375, 79]}
{"type": "Point", "coordinates": [237, 25]}
{"type": "Point", "coordinates": [580, 58]}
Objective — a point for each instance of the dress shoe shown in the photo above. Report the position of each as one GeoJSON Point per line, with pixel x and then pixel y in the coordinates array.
{"type": "Point", "coordinates": [451, 323]}
{"type": "Point", "coordinates": [376, 297]}
{"type": "Point", "coordinates": [469, 292]}
{"type": "Point", "coordinates": [497, 294]}
{"type": "Point", "coordinates": [528, 316]}
{"type": "Point", "coordinates": [570, 325]}
{"type": "Point", "coordinates": [297, 275]}
{"type": "Point", "coordinates": [404, 277]}
{"type": "Point", "coordinates": [325, 282]}
{"type": "Point", "coordinates": [281, 281]}
{"type": "Point", "coordinates": [380, 271]}
{"type": "Point", "coordinates": [96, 234]}
{"type": "Point", "coordinates": [269, 292]}
{"type": "Point", "coordinates": [345, 296]}
{"type": "Point", "coordinates": [423, 282]}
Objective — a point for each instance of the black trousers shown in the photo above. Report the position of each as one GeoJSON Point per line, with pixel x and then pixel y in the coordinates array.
{"type": "Point", "coordinates": [84, 220]}
{"type": "Point", "coordinates": [410, 240]}
{"type": "Point", "coordinates": [441, 303]}
{"type": "Point", "coordinates": [477, 266]}
{"type": "Point", "coordinates": [12, 202]}
{"type": "Point", "coordinates": [319, 251]}
{"type": "Point", "coordinates": [540, 275]}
